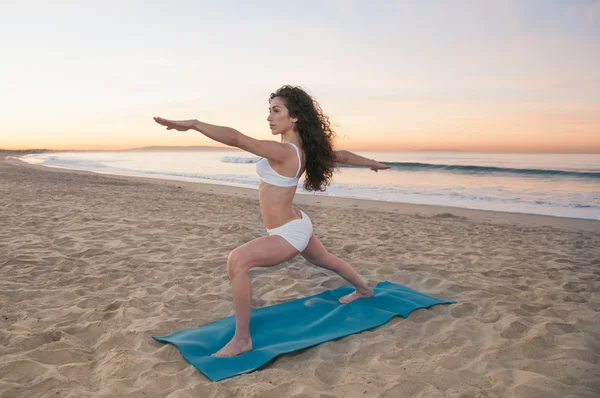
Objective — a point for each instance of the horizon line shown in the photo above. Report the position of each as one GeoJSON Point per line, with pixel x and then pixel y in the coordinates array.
{"type": "Point", "coordinates": [210, 147]}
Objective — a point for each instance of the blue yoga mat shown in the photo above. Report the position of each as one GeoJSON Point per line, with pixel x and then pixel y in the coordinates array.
{"type": "Point", "coordinates": [294, 325]}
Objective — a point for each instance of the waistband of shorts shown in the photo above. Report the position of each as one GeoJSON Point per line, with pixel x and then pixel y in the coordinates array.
{"type": "Point", "coordinates": [304, 219]}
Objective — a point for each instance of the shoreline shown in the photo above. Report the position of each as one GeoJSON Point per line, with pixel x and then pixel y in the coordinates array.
{"type": "Point", "coordinates": [348, 203]}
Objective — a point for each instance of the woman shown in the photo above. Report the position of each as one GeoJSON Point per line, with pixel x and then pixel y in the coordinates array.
{"type": "Point", "coordinates": [305, 147]}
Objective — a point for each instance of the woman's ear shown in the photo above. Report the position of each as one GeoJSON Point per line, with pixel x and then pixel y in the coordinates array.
{"type": "Point", "coordinates": [294, 120]}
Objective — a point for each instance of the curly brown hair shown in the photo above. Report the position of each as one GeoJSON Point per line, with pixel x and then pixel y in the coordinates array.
{"type": "Point", "coordinates": [316, 135]}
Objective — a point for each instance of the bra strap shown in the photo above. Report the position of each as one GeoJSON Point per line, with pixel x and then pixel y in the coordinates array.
{"type": "Point", "coordinates": [299, 160]}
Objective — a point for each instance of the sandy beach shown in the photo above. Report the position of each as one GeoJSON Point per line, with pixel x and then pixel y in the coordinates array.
{"type": "Point", "coordinates": [92, 266]}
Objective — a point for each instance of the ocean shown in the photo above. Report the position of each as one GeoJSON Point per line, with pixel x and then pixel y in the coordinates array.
{"type": "Point", "coordinates": [563, 185]}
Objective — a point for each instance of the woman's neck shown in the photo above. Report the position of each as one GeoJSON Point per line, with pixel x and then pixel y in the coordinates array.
{"type": "Point", "coordinates": [290, 136]}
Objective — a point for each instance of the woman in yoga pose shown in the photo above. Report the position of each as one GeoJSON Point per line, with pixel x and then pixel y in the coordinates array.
{"type": "Point", "coordinates": [305, 147]}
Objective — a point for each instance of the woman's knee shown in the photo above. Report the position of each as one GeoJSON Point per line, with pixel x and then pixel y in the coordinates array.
{"type": "Point", "coordinates": [235, 263]}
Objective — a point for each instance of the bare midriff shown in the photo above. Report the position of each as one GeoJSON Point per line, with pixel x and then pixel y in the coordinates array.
{"type": "Point", "coordinates": [276, 205]}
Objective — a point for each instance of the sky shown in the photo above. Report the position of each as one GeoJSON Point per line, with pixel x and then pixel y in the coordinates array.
{"type": "Point", "coordinates": [476, 75]}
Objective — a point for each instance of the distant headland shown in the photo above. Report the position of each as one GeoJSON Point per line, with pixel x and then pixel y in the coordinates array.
{"type": "Point", "coordinates": [180, 149]}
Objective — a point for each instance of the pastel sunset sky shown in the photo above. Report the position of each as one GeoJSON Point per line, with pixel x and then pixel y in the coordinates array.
{"type": "Point", "coordinates": [397, 75]}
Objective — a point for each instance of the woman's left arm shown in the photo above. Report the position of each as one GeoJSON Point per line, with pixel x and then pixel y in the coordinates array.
{"type": "Point", "coordinates": [347, 157]}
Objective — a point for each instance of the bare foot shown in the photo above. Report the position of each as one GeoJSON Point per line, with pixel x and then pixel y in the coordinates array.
{"type": "Point", "coordinates": [235, 347]}
{"type": "Point", "coordinates": [358, 293]}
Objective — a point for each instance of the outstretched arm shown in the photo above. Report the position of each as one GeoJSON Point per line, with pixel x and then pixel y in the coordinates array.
{"type": "Point", "coordinates": [347, 157]}
{"type": "Point", "coordinates": [226, 135]}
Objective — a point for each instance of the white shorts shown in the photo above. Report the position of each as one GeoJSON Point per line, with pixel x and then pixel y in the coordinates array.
{"type": "Point", "coordinates": [297, 232]}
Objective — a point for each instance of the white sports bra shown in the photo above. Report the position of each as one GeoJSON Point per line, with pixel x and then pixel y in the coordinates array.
{"type": "Point", "coordinates": [267, 174]}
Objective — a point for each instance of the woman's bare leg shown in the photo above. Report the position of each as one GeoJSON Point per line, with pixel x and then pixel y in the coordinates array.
{"type": "Point", "coordinates": [317, 254]}
{"type": "Point", "coordinates": [262, 252]}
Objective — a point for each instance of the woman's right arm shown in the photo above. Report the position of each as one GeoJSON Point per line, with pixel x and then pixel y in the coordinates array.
{"type": "Point", "coordinates": [226, 135]}
{"type": "Point", "coordinates": [347, 157]}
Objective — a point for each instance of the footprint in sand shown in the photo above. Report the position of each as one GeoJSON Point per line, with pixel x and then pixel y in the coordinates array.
{"type": "Point", "coordinates": [431, 282]}
{"type": "Point", "coordinates": [573, 298]}
{"type": "Point", "coordinates": [114, 306]}
{"type": "Point", "coordinates": [462, 310]}
{"type": "Point", "coordinates": [515, 331]}
{"type": "Point", "coordinates": [539, 348]}
{"type": "Point", "coordinates": [574, 287]}
{"type": "Point", "coordinates": [350, 248]}
{"type": "Point", "coordinates": [527, 310]}
{"type": "Point", "coordinates": [112, 310]}
{"type": "Point", "coordinates": [561, 328]}
{"type": "Point", "coordinates": [489, 316]}
{"type": "Point", "coordinates": [169, 368]}
{"type": "Point", "coordinates": [329, 375]}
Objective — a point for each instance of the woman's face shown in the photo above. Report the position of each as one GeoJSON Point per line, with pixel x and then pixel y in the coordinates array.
{"type": "Point", "coordinates": [279, 119]}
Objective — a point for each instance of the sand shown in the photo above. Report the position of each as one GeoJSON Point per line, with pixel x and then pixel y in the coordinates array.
{"type": "Point", "coordinates": [92, 266]}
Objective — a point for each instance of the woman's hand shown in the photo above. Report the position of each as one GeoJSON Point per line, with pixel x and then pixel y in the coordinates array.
{"type": "Point", "coordinates": [179, 125]}
{"type": "Point", "coordinates": [378, 166]}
